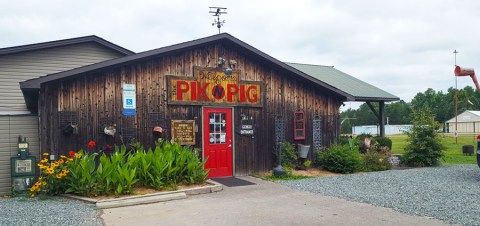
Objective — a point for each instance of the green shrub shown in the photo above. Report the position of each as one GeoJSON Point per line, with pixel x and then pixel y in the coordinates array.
{"type": "Point", "coordinates": [383, 142]}
{"type": "Point", "coordinates": [340, 159]}
{"type": "Point", "coordinates": [289, 155]}
{"type": "Point", "coordinates": [376, 160]}
{"type": "Point", "coordinates": [424, 146]}
{"type": "Point", "coordinates": [343, 140]}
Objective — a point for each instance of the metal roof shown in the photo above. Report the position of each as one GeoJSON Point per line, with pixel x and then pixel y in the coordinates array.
{"type": "Point", "coordinates": [33, 84]}
{"type": "Point", "coordinates": [64, 42]}
{"type": "Point", "coordinates": [335, 82]}
{"type": "Point", "coordinates": [360, 90]}
{"type": "Point", "coordinates": [466, 116]}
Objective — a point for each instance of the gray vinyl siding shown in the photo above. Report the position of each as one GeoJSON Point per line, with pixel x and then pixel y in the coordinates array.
{"type": "Point", "coordinates": [18, 67]}
{"type": "Point", "coordinates": [15, 68]}
{"type": "Point", "coordinates": [10, 127]}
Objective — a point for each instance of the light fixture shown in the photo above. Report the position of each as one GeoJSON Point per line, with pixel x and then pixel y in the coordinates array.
{"type": "Point", "coordinates": [220, 62]}
{"type": "Point", "coordinates": [228, 71]}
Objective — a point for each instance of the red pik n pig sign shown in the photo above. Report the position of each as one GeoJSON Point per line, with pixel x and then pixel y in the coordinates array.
{"type": "Point", "coordinates": [212, 86]}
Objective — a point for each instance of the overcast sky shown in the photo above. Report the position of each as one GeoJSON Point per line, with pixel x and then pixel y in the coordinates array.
{"type": "Point", "coordinates": [403, 47]}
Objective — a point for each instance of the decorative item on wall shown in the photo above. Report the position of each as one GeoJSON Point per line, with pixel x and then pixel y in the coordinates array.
{"type": "Point", "coordinates": [299, 125]}
{"type": "Point", "coordinates": [128, 131]}
{"type": "Point", "coordinates": [110, 130]}
{"type": "Point", "coordinates": [212, 86]}
{"type": "Point", "coordinates": [317, 132]}
{"type": "Point", "coordinates": [68, 122]}
{"type": "Point", "coordinates": [279, 137]}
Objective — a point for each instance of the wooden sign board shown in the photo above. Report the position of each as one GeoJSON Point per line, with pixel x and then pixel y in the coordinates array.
{"type": "Point", "coordinates": [212, 86]}
{"type": "Point", "coordinates": [183, 131]}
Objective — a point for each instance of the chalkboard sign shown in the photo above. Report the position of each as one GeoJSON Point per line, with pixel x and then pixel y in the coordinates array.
{"type": "Point", "coordinates": [183, 131]}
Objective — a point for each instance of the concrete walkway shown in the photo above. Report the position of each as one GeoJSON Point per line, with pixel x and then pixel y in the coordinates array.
{"type": "Point", "coordinates": [265, 203]}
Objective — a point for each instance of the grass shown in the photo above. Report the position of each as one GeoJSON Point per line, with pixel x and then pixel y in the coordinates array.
{"type": "Point", "coordinates": [453, 153]}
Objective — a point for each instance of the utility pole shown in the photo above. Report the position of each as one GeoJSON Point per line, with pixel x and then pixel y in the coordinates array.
{"type": "Point", "coordinates": [456, 101]}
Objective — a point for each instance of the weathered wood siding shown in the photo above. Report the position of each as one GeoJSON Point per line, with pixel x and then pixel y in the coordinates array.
{"type": "Point", "coordinates": [95, 100]}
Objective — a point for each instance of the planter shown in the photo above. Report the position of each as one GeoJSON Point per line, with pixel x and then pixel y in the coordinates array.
{"type": "Point", "coordinates": [303, 151]}
{"type": "Point", "coordinates": [467, 149]}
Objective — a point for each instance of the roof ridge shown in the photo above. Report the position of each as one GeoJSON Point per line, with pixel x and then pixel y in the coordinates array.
{"type": "Point", "coordinates": [64, 42]}
{"type": "Point", "coordinates": [309, 64]}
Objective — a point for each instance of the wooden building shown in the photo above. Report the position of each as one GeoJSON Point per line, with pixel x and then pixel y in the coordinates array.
{"type": "Point", "coordinates": [218, 94]}
{"type": "Point", "coordinates": [25, 62]}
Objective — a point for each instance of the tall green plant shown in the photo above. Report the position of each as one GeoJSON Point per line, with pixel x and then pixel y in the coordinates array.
{"type": "Point", "coordinates": [424, 146]}
{"type": "Point", "coordinates": [82, 180]}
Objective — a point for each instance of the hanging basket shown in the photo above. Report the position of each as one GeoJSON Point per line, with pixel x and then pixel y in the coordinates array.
{"type": "Point", "coordinates": [303, 151]}
{"type": "Point", "coordinates": [110, 131]}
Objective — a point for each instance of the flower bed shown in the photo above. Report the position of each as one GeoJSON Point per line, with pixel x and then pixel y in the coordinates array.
{"type": "Point", "coordinates": [164, 167]}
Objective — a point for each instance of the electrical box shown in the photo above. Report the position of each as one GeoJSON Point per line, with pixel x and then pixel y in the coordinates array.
{"type": "Point", "coordinates": [299, 125]}
{"type": "Point", "coordinates": [22, 168]}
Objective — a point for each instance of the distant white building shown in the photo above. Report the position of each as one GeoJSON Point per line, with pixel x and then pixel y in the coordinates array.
{"type": "Point", "coordinates": [374, 130]}
{"type": "Point", "coordinates": [467, 122]}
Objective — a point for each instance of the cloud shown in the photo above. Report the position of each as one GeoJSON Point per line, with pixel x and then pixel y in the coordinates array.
{"type": "Point", "coordinates": [403, 47]}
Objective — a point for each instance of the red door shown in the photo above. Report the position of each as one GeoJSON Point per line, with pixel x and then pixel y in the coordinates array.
{"type": "Point", "coordinates": [217, 141]}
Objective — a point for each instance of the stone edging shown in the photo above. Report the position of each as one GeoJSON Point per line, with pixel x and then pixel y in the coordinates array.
{"type": "Point", "coordinates": [150, 198]}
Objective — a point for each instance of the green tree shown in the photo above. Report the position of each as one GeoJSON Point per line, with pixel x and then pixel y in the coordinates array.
{"type": "Point", "coordinates": [398, 113]}
{"type": "Point", "coordinates": [424, 146]}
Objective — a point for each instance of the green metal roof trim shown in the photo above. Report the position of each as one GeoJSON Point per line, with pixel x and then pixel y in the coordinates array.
{"type": "Point", "coordinates": [361, 90]}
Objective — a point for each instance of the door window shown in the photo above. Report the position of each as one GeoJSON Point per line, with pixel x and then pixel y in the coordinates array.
{"type": "Point", "coordinates": [218, 127]}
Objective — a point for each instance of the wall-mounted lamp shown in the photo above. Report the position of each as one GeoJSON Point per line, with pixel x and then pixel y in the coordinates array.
{"type": "Point", "coordinates": [228, 71]}
{"type": "Point", "coordinates": [220, 62]}
{"type": "Point", "coordinates": [232, 64]}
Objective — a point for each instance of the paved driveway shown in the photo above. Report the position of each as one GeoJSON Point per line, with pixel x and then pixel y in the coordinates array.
{"type": "Point", "coordinates": [265, 203]}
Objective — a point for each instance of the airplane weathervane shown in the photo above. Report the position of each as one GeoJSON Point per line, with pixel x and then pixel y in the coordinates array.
{"type": "Point", "coordinates": [217, 11]}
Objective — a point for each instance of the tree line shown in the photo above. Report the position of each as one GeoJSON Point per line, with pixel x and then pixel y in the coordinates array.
{"type": "Point", "coordinates": [441, 104]}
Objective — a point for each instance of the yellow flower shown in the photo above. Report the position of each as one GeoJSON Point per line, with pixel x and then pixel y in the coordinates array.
{"type": "Point", "coordinates": [32, 196]}
{"type": "Point", "coordinates": [40, 178]}
{"type": "Point", "coordinates": [44, 161]}
{"type": "Point", "coordinates": [45, 154]}
{"type": "Point", "coordinates": [44, 183]}
{"type": "Point", "coordinates": [78, 155]}
{"type": "Point", "coordinates": [49, 170]}
{"type": "Point", "coordinates": [63, 157]}
{"type": "Point", "coordinates": [58, 176]}
{"type": "Point", "coordinates": [60, 161]}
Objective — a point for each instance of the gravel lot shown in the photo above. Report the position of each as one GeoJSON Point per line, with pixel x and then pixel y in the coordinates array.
{"type": "Point", "coordinates": [50, 211]}
{"type": "Point", "coordinates": [450, 193]}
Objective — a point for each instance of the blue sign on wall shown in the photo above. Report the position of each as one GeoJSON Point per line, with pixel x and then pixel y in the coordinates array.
{"type": "Point", "coordinates": [129, 100]}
